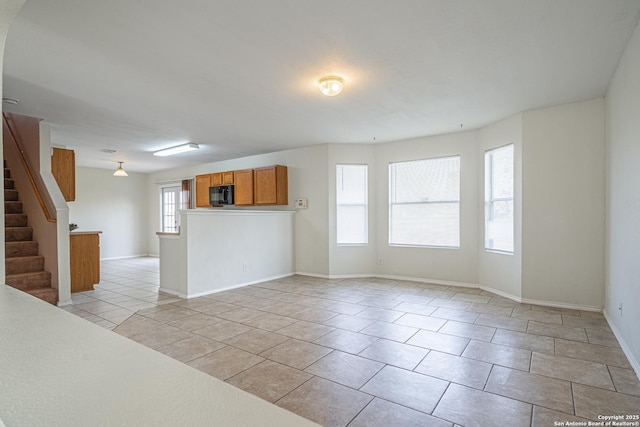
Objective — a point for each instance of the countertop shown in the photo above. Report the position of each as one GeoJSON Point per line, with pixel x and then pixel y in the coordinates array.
{"type": "Point", "coordinates": [85, 375]}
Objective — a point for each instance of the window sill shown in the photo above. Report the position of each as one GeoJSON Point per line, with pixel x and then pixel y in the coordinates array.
{"type": "Point", "coordinates": [422, 246]}
{"type": "Point", "coordinates": [495, 251]}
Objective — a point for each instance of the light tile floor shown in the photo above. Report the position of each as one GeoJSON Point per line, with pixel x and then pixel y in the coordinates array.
{"type": "Point", "coordinates": [377, 352]}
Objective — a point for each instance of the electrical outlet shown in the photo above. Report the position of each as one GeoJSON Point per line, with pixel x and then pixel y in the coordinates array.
{"type": "Point", "coordinates": [379, 261]}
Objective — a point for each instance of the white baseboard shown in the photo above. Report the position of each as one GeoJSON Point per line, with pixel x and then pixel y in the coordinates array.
{"type": "Point", "coordinates": [321, 276]}
{"type": "Point", "coordinates": [500, 293]}
{"type": "Point", "coordinates": [635, 363]}
{"type": "Point", "coordinates": [228, 288]}
{"type": "Point", "coordinates": [127, 257]}
{"type": "Point", "coordinates": [553, 304]}
{"type": "Point", "coordinates": [460, 285]}
{"type": "Point", "coordinates": [172, 292]}
{"type": "Point", "coordinates": [334, 276]}
{"type": "Point", "coordinates": [562, 305]}
{"type": "Point", "coordinates": [432, 281]}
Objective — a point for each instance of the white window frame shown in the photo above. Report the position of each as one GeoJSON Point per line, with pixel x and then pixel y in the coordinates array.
{"type": "Point", "coordinates": [458, 202]}
{"type": "Point", "coordinates": [365, 205]}
{"type": "Point", "coordinates": [490, 200]}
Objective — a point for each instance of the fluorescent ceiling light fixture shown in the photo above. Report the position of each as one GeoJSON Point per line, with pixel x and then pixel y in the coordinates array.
{"type": "Point", "coordinates": [120, 171]}
{"type": "Point", "coordinates": [176, 150]}
{"type": "Point", "coordinates": [331, 85]}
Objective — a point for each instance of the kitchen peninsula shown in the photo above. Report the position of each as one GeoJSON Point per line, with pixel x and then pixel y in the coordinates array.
{"type": "Point", "coordinates": [222, 249]}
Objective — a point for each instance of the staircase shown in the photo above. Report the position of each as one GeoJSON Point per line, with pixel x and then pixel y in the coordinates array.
{"type": "Point", "coordinates": [24, 267]}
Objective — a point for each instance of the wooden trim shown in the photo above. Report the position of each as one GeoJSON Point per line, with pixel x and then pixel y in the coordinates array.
{"type": "Point", "coordinates": [25, 164]}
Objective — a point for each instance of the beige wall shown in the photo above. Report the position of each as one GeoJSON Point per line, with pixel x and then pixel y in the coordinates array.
{"type": "Point", "coordinates": [623, 202]}
{"type": "Point", "coordinates": [117, 206]}
{"type": "Point", "coordinates": [563, 175]}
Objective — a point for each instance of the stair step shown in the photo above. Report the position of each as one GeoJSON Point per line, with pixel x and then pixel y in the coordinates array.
{"type": "Point", "coordinates": [13, 207]}
{"type": "Point", "coordinates": [11, 195]}
{"type": "Point", "coordinates": [24, 264]}
{"type": "Point", "coordinates": [16, 220]}
{"type": "Point", "coordinates": [49, 295]}
{"type": "Point", "coordinates": [27, 281]}
{"type": "Point", "coordinates": [24, 268]}
{"type": "Point", "coordinates": [20, 249]}
{"type": "Point", "coordinates": [18, 234]}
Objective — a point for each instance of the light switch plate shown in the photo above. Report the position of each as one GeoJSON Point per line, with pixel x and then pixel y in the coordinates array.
{"type": "Point", "coordinates": [301, 204]}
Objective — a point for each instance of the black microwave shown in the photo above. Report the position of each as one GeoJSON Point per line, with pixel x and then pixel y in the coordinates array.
{"type": "Point", "coordinates": [221, 195]}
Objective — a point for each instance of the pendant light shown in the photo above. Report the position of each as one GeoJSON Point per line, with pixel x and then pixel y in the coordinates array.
{"type": "Point", "coordinates": [120, 171]}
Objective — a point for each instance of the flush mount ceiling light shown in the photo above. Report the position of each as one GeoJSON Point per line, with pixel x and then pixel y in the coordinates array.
{"type": "Point", "coordinates": [176, 150]}
{"type": "Point", "coordinates": [331, 85]}
{"type": "Point", "coordinates": [120, 171]}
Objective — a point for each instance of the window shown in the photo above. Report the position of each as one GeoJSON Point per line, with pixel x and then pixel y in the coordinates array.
{"type": "Point", "coordinates": [351, 205]}
{"type": "Point", "coordinates": [424, 202]}
{"type": "Point", "coordinates": [173, 199]}
{"type": "Point", "coordinates": [498, 197]}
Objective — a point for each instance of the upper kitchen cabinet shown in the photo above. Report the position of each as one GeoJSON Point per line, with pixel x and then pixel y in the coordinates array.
{"type": "Point", "coordinates": [63, 168]}
{"type": "Point", "coordinates": [216, 178]}
{"type": "Point", "coordinates": [227, 178]}
{"type": "Point", "coordinates": [222, 178]}
{"type": "Point", "coordinates": [243, 183]}
{"type": "Point", "coordinates": [203, 182]}
{"type": "Point", "coordinates": [271, 185]}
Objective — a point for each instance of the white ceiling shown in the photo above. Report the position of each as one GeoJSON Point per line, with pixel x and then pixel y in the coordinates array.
{"type": "Point", "coordinates": [239, 77]}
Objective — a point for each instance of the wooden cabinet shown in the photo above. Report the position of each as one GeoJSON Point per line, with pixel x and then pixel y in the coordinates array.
{"type": "Point", "coordinates": [271, 186]}
{"type": "Point", "coordinates": [85, 260]}
{"type": "Point", "coordinates": [216, 178]}
{"type": "Point", "coordinates": [203, 182]}
{"type": "Point", "coordinates": [63, 169]}
{"type": "Point", "coordinates": [222, 178]}
{"type": "Point", "coordinates": [243, 187]}
{"type": "Point", "coordinates": [262, 186]}
{"type": "Point", "coordinates": [227, 178]}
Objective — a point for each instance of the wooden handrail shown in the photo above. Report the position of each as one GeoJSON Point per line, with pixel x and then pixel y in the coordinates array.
{"type": "Point", "coordinates": [27, 169]}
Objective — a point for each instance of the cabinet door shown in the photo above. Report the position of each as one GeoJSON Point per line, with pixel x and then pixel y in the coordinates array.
{"type": "Point", "coordinates": [216, 179]}
{"type": "Point", "coordinates": [271, 186]}
{"type": "Point", "coordinates": [84, 250]}
{"type": "Point", "coordinates": [227, 178]}
{"type": "Point", "coordinates": [63, 169]}
{"type": "Point", "coordinates": [203, 182]}
{"type": "Point", "coordinates": [243, 187]}
{"type": "Point", "coordinates": [265, 186]}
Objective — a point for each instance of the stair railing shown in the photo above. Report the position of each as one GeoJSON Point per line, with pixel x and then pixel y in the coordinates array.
{"type": "Point", "coordinates": [27, 168]}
